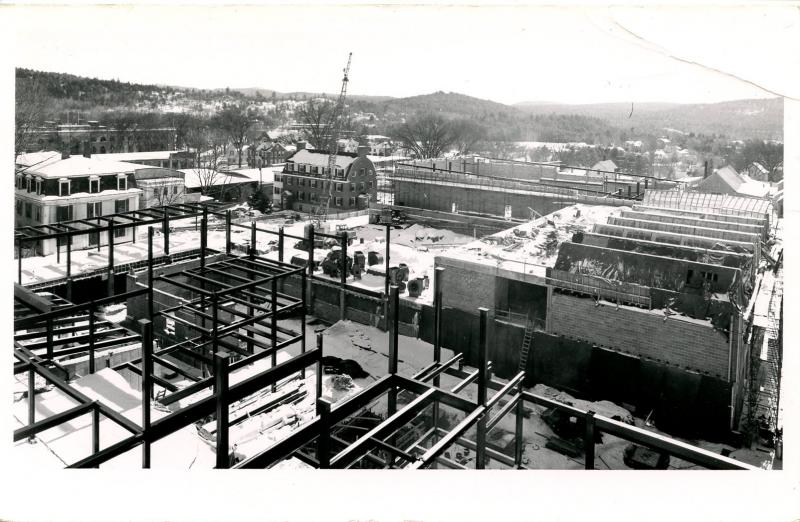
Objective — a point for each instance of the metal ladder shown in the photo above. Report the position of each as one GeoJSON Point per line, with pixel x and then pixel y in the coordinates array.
{"type": "Point", "coordinates": [526, 346]}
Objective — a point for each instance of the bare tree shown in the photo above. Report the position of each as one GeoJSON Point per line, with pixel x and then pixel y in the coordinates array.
{"type": "Point", "coordinates": [466, 134]}
{"type": "Point", "coordinates": [427, 136]}
{"type": "Point", "coordinates": [29, 113]}
{"type": "Point", "coordinates": [209, 144]}
{"type": "Point", "coordinates": [316, 119]}
{"type": "Point", "coordinates": [235, 123]}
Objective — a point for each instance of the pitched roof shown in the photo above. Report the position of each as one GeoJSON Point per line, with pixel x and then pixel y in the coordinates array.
{"type": "Point", "coordinates": [319, 158]}
{"type": "Point", "coordinates": [607, 165]}
{"type": "Point", "coordinates": [196, 178]}
{"type": "Point", "coordinates": [55, 167]}
{"type": "Point", "coordinates": [136, 156]}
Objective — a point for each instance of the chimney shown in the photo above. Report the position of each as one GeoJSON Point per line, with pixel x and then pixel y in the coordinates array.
{"type": "Point", "coordinates": [705, 172]}
{"type": "Point", "coordinates": [363, 150]}
{"type": "Point", "coordinates": [87, 150]}
{"type": "Point", "coordinates": [301, 145]}
{"type": "Point", "coordinates": [65, 153]}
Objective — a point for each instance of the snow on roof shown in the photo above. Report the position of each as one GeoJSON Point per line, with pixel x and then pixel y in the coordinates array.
{"type": "Point", "coordinates": [136, 156]}
{"type": "Point", "coordinates": [537, 249]}
{"type": "Point", "coordinates": [196, 178]}
{"type": "Point", "coordinates": [55, 167]}
{"type": "Point", "coordinates": [320, 158]}
{"type": "Point", "coordinates": [34, 158]}
{"type": "Point", "coordinates": [266, 174]}
{"type": "Point", "coordinates": [608, 165]}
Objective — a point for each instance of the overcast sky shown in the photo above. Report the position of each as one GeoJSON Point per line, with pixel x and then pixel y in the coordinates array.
{"type": "Point", "coordinates": [573, 55]}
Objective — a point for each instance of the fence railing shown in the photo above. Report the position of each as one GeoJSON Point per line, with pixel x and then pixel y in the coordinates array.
{"type": "Point", "coordinates": [592, 285]}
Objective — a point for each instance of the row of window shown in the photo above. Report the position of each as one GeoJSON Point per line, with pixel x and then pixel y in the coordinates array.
{"type": "Point", "coordinates": [65, 212]}
{"type": "Point", "coordinates": [31, 184]}
{"type": "Point", "coordinates": [338, 187]}
{"type": "Point", "coordinates": [313, 197]}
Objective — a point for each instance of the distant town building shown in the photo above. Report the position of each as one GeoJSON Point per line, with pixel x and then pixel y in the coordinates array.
{"type": "Point", "coordinates": [100, 139]}
{"type": "Point", "coordinates": [304, 180]}
{"type": "Point", "coordinates": [727, 181]}
{"type": "Point", "coordinates": [172, 159]}
{"type": "Point", "coordinates": [605, 165]}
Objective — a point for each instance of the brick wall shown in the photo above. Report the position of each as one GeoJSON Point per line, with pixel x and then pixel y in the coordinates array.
{"type": "Point", "coordinates": [688, 345]}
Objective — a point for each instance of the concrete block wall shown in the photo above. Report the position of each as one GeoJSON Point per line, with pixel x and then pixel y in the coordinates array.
{"type": "Point", "coordinates": [686, 344]}
{"type": "Point", "coordinates": [467, 289]}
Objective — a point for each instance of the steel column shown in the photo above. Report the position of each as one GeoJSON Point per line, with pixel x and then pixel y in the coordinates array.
{"type": "Point", "coordinates": [253, 233]}
{"type": "Point", "coordinates": [91, 336]}
{"type": "Point", "coordinates": [110, 288]}
{"type": "Point", "coordinates": [221, 363]}
{"type": "Point", "coordinates": [319, 366]}
{"type": "Point", "coordinates": [302, 319]}
{"type": "Point", "coordinates": [147, 383]}
{"type": "Point", "coordinates": [480, 453]}
{"type": "Point", "coordinates": [280, 244]}
{"type": "Point", "coordinates": [228, 232]}
{"type": "Point", "coordinates": [324, 439]}
{"type": "Point", "coordinates": [165, 231]}
{"type": "Point", "coordinates": [343, 278]}
{"type": "Point", "coordinates": [31, 401]}
{"type": "Point", "coordinates": [274, 326]}
{"type": "Point", "coordinates": [518, 445]}
{"type": "Point", "coordinates": [95, 430]}
{"type": "Point", "coordinates": [588, 440]}
{"type": "Point", "coordinates": [19, 260]}
{"type": "Point", "coordinates": [388, 239]}
{"type": "Point", "coordinates": [150, 282]}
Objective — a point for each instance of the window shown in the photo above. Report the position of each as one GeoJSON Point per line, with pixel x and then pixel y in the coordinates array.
{"type": "Point", "coordinates": [288, 181]}
{"type": "Point", "coordinates": [175, 189]}
{"type": "Point", "coordinates": [370, 172]}
{"type": "Point", "coordinates": [94, 209]}
{"type": "Point", "coordinates": [352, 201]}
{"type": "Point", "coordinates": [709, 276]}
{"type": "Point", "coordinates": [339, 187]}
{"type": "Point", "coordinates": [302, 182]}
{"type": "Point", "coordinates": [122, 182]}
{"type": "Point", "coordinates": [28, 183]}
{"type": "Point", "coordinates": [338, 202]}
{"type": "Point", "coordinates": [339, 172]}
{"type": "Point", "coordinates": [315, 170]}
{"type": "Point", "coordinates": [28, 210]}
{"type": "Point", "coordinates": [39, 186]}
{"type": "Point", "coordinates": [63, 187]}
{"type": "Point", "coordinates": [19, 207]}
{"type": "Point", "coordinates": [120, 205]}
{"type": "Point", "coordinates": [352, 187]}
{"type": "Point", "coordinates": [312, 183]}
{"type": "Point", "coordinates": [276, 190]}
{"type": "Point", "coordinates": [361, 172]}
{"type": "Point", "coordinates": [63, 213]}
{"type": "Point", "coordinates": [361, 187]}
{"type": "Point", "coordinates": [303, 169]}
{"type": "Point", "coordinates": [19, 181]}
{"type": "Point", "coordinates": [37, 213]}
{"type": "Point", "coordinates": [370, 184]}
{"type": "Point", "coordinates": [94, 184]}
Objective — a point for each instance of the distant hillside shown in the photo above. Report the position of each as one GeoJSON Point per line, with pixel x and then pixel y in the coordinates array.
{"type": "Point", "coordinates": [267, 93]}
{"type": "Point", "coordinates": [739, 119]}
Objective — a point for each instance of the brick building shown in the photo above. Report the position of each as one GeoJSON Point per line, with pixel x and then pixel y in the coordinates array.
{"type": "Point", "coordinates": [304, 181]}
{"type": "Point", "coordinates": [91, 137]}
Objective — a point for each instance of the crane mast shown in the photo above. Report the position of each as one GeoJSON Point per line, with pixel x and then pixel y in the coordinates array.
{"type": "Point", "coordinates": [335, 128]}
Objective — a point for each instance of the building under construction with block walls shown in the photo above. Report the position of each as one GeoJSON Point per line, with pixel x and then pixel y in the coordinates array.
{"type": "Point", "coordinates": [219, 355]}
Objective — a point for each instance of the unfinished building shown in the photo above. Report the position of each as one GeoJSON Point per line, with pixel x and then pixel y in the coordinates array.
{"type": "Point", "coordinates": [662, 292]}
{"type": "Point", "coordinates": [210, 367]}
{"type": "Point", "coordinates": [509, 189]}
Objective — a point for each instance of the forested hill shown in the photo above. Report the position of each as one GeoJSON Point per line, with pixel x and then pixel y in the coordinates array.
{"type": "Point", "coordinates": [503, 122]}
{"type": "Point", "coordinates": [738, 119]}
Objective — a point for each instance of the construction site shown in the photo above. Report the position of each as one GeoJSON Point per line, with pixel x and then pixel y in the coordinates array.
{"type": "Point", "coordinates": [212, 342]}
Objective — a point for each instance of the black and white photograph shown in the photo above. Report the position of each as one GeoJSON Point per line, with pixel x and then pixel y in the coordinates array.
{"type": "Point", "coordinates": [520, 241]}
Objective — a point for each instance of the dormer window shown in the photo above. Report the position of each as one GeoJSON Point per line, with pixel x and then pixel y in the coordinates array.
{"type": "Point", "coordinates": [63, 187]}
{"type": "Point", "coordinates": [19, 181]}
{"type": "Point", "coordinates": [122, 182]}
{"type": "Point", "coordinates": [94, 184]}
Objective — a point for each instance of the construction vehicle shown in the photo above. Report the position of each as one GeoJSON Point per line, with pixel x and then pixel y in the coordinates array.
{"type": "Point", "coordinates": [332, 264]}
{"type": "Point", "coordinates": [335, 126]}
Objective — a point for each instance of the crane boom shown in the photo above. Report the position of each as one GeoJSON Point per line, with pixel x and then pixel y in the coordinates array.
{"type": "Point", "coordinates": [333, 147]}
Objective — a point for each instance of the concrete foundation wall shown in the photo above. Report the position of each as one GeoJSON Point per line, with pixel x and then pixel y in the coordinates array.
{"type": "Point", "coordinates": [688, 345]}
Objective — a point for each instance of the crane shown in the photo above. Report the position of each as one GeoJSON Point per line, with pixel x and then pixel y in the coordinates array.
{"type": "Point", "coordinates": [335, 127]}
